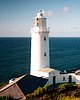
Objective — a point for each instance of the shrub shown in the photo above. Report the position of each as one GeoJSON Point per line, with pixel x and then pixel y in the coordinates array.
{"type": "Point", "coordinates": [40, 90]}
{"type": "Point", "coordinates": [46, 87]}
{"type": "Point", "coordinates": [6, 98]}
{"type": "Point", "coordinates": [66, 86]}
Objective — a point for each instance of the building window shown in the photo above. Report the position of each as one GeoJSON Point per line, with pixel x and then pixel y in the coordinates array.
{"type": "Point", "coordinates": [44, 38]}
{"type": "Point", "coordinates": [44, 53]}
{"type": "Point", "coordinates": [63, 78]}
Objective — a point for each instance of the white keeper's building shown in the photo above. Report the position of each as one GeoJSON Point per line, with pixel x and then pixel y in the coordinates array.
{"type": "Point", "coordinates": [40, 63]}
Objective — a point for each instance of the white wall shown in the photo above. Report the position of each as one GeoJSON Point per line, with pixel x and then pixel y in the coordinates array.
{"type": "Point", "coordinates": [77, 79]}
{"type": "Point", "coordinates": [59, 78]}
{"type": "Point", "coordinates": [42, 74]}
{"type": "Point", "coordinates": [38, 47]}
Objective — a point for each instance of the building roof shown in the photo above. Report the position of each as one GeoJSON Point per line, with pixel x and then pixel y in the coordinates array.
{"type": "Point", "coordinates": [29, 83]}
{"type": "Point", "coordinates": [22, 86]}
{"type": "Point", "coordinates": [15, 81]}
{"type": "Point", "coordinates": [14, 91]}
{"type": "Point", "coordinates": [47, 70]}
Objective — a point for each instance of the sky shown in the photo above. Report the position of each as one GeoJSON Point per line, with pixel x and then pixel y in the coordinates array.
{"type": "Point", "coordinates": [17, 17]}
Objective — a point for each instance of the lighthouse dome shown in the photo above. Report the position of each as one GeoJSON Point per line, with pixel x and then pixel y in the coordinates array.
{"type": "Point", "coordinates": [40, 14]}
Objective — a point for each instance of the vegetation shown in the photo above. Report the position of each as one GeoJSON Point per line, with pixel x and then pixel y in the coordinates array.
{"type": "Point", "coordinates": [2, 85]}
{"type": "Point", "coordinates": [66, 91]}
{"type": "Point", "coordinates": [6, 98]}
{"type": "Point", "coordinates": [40, 91]}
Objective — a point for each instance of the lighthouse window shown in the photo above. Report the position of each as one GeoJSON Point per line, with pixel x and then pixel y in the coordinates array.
{"type": "Point", "coordinates": [37, 19]}
{"type": "Point", "coordinates": [44, 53]}
{"type": "Point", "coordinates": [44, 38]}
{"type": "Point", "coordinates": [37, 24]}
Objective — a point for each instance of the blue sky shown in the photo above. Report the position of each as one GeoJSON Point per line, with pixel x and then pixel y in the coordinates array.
{"type": "Point", "coordinates": [16, 17]}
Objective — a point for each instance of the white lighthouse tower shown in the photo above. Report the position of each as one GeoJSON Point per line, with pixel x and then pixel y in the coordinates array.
{"type": "Point", "coordinates": [39, 45]}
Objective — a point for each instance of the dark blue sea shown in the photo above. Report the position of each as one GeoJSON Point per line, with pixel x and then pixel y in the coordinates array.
{"type": "Point", "coordinates": [15, 55]}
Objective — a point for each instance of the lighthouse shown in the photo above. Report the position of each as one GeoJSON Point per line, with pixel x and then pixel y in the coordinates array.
{"type": "Point", "coordinates": [39, 44]}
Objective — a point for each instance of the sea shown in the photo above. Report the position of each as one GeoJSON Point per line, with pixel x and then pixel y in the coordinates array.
{"type": "Point", "coordinates": [15, 54]}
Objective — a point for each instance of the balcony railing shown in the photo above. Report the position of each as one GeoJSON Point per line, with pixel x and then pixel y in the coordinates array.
{"type": "Point", "coordinates": [37, 29]}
